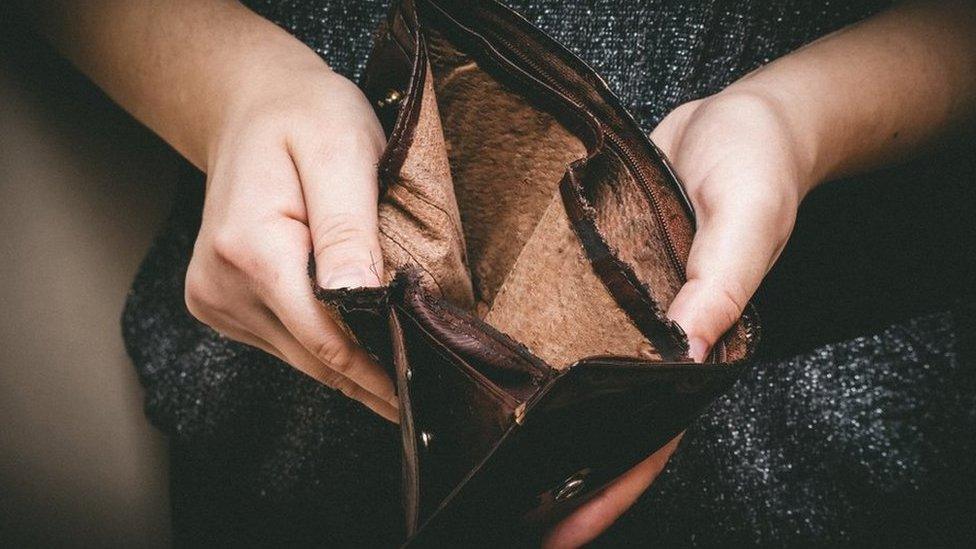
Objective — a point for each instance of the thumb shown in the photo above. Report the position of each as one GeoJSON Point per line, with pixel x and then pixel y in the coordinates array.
{"type": "Point", "coordinates": [339, 183]}
{"type": "Point", "coordinates": [735, 246]}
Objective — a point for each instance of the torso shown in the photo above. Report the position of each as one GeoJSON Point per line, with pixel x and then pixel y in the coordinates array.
{"type": "Point", "coordinates": [272, 456]}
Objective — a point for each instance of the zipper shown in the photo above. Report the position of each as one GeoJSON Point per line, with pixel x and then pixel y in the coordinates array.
{"type": "Point", "coordinates": [652, 197]}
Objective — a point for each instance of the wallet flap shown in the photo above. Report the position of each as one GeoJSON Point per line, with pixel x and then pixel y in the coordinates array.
{"type": "Point", "coordinates": [460, 383]}
{"type": "Point", "coordinates": [590, 424]}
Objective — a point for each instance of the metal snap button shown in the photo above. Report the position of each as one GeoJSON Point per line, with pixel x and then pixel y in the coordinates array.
{"type": "Point", "coordinates": [391, 98]}
{"type": "Point", "coordinates": [572, 486]}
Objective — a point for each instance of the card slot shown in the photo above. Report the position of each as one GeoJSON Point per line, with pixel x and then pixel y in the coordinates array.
{"type": "Point", "coordinates": [450, 402]}
{"type": "Point", "coordinates": [431, 344]}
{"type": "Point", "coordinates": [506, 156]}
{"type": "Point", "coordinates": [418, 214]}
{"type": "Point", "coordinates": [554, 304]}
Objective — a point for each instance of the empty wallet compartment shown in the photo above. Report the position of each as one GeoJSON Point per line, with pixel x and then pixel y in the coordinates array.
{"type": "Point", "coordinates": [533, 238]}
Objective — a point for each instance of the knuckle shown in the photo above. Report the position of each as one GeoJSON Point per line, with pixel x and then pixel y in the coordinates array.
{"type": "Point", "coordinates": [198, 295]}
{"type": "Point", "coordinates": [231, 246]}
{"type": "Point", "coordinates": [340, 234]}
{"type": "Point", "coordinates": [350, 389]}
{"type": "Point", "coordinates": [335, 353]}
{"type": "Point", "coordinates": [703, 195]}
{"type": "Point", "coordinates": [331, 380]}
{"type": "Point", "coordinates": [251, 252]}
{"type": "Point", "coordinates": [731, 302]}
{"type": "Point", "coordinates": [717, 304]}
{"type": "Point", "coordinates": [683, 111]}
{"type": "Point", "coordinates": [340, 147]}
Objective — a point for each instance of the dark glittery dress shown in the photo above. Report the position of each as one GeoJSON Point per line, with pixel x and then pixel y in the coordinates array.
{"type": "Point", "coordinates": [826, 439]}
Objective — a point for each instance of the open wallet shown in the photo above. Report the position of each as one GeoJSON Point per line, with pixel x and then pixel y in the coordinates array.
{"type": "Point", "coordinates": [533, 238]}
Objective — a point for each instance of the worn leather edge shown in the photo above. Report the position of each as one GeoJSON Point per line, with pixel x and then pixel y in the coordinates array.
{"type": "Point", "coordinates": [410, 481]}
{"type": "Point", "coordinates": [361, 314]}
{"type": "Point", "coordinates": [502, 360]}
{"type": "Point", "coordinates": [383, 74]}
{"type": "Point", "coordinates": [631, 294]}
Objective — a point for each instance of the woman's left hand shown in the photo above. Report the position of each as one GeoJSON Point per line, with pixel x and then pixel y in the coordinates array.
{"type": "Point", "coordinates": [867, 95]}
{"type": "Point", "coordinates": [738, 161]}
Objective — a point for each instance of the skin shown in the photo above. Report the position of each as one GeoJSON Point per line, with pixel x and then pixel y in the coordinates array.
{"type": "Point", "coordinates": [290, 149]}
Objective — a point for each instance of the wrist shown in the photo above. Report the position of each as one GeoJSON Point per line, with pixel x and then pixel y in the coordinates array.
{"type": "Point", "coordinates": [291, 100]}
{"type": "Point", "coordinates": [259, 90]}
{"type": "Point", "coordinates": [783, 125]}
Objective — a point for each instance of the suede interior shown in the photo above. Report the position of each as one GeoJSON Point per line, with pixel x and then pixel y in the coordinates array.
{"type": "Point", "coordinates": [477, 207]}
{"type": "Point", "coordinates": [554, 304]}
{"type": "Point", "coordinates": [418, 216]}
{"type": "Point", "coordinates": [622, 217]}
{"type": "Point", "coordinates": [507, 158]}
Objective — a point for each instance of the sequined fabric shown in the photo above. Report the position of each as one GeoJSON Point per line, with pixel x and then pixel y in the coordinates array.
{"type": "Point", "coordinates": [858, 442]}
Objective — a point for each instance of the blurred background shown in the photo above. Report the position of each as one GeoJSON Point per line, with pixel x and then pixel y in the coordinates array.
{"type": "Point", "coordinates": [83, 189]}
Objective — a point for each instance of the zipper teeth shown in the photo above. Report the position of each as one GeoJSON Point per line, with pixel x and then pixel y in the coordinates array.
{"type": "Point", "coordinates": [629, 156]}
{"type": "Point", "coordinates": [652, 196]}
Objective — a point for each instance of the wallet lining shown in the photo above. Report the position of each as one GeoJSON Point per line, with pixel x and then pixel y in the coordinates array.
{"type": "Point", "coordinates": [476, 206]}
{"type": "Point", "coordinates": [490, 231]}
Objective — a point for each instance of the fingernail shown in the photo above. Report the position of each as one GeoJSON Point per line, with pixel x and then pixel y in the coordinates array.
{"type": "Point", "coordinates": [349, 277]}
{"type": "Point", "coordinates": [697, 349]}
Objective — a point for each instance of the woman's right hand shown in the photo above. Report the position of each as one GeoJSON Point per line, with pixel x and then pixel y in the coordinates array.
{"type": "Point", "coordinates": [292, 170]}
{"type": "Point", "coordinates": [290, 151]}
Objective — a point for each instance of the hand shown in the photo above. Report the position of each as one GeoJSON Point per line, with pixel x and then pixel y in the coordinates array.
{"type": "Point", "coordinates": [292, 169]}
{"type": "Point", "coordinates": [745, 176]}
{"type": "Point", "coordinates": [857, 99]}
{"type": "Point", "coordinates": [290, 150]}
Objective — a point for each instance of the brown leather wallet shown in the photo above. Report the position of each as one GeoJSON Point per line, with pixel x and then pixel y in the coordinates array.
{"type": "Point", "coordinates": [533, 239]}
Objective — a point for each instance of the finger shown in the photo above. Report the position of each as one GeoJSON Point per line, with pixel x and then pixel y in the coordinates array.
{"type": "Point", "coordinates": [294, 353]}
{"type": "Point", "coordinates": [339, 182]}
{"type": "Point", "coordinates": [335, 354]}
{"type": "Point", "coordinates": [278, 342]}
{"type": "Point", "coordinates": [232, 329]}
{"type": "Point", "coordinates": [734, 247]}
{"type": "Point", "coordinates": [290, 300]}
{"type": "Point", "coordinates": [596, 515]}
